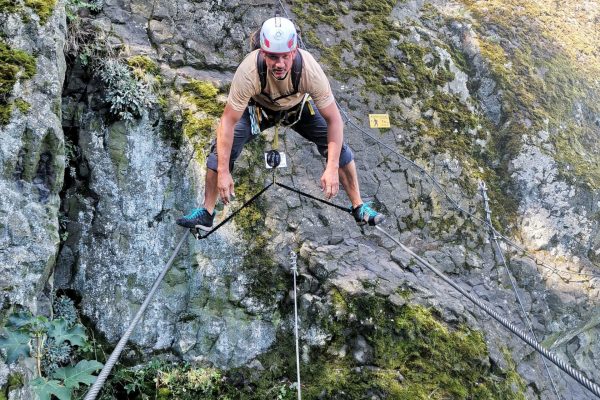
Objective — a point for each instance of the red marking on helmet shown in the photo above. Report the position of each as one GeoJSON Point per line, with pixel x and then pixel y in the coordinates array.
{"type": "Point", "coordinates": [267, 43]}
{"type": "Point", "coordinates": [291, 42]}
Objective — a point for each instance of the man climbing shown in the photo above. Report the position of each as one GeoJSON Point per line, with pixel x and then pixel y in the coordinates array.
{"type": "Point", "coordinates": [272, 85]}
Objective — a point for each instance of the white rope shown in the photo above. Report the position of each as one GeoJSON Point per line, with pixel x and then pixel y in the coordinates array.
{"type": "Point", "coordinates": [293, 259]}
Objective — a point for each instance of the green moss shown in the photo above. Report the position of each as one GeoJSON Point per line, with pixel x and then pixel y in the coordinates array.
{"type": "Point", "coordinates": [8, 6]}
{"type": "Point", "coordinates": [22, 105]}
{"type": "Point", "coordinates": [202, 107]}
{"type": "Point", "coordinates": [199, 131]}
{"type": "Point", "coordinates": [204, 94]}
{"type": "Point", "coordinates": [14, 382]}
{"type": "Point", "coordinates": [578, 153]}
{"type": "Point", "coordinates": [144, 63]}
{"type": "Point", "coordinates": [43, 8]}
{"type": "Point", "coordinates": [415, 356]}
{"type": "Point", "coordinates": [5, 113]}
{"type": "Point", "coordinates": [544, 78]}
{"type": "Point", "coordinates": [15, 65]}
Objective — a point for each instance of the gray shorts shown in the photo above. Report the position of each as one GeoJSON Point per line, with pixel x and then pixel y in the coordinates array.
{"type": "Point", "coordinates": [311, 127]}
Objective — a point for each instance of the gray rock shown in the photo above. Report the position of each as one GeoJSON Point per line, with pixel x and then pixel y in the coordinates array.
{"type": "Point", "coordinates": [32, 161]}
{"type": "Point", "coordinates": [362, 352]}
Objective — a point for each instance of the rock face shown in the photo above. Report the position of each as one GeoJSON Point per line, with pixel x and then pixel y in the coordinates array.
{"type": "Point", "coordinates": [32, 156]}
{"type": "Point", "coordinates": [455, 97]}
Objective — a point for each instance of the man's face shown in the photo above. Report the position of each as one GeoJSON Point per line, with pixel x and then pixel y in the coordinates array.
{"type": "Point", "coordinates": [279, 64]}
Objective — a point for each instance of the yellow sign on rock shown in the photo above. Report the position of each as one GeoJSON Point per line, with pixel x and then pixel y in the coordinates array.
{"type": "Point", "coordinates": [379, 120]}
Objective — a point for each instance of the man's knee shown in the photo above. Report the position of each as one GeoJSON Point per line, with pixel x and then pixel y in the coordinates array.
{"type": "Point", "coordinates": [212, 161]}
{"type": "Point", "coordinates": [346, 154]}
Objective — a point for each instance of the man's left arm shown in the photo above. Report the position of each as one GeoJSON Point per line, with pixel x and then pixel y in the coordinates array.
{"type": "Point", "coordinates": [330, 181]}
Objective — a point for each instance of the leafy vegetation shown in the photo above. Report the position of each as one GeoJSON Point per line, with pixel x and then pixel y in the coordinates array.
{"type": "Point", "coordinates": [127, 95]}
{"type": "Point", "coordinates": [74, 7]}
{"type": "Point", "coordinates": [163, 380]}
{"type": "Point", "coordinates": [53, 344]}
{"type": "Point", "coordinates": [85, 43]}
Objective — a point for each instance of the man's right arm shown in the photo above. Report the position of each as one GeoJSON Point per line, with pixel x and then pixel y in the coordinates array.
{"type": "Point", "coordinates": [224, 144]}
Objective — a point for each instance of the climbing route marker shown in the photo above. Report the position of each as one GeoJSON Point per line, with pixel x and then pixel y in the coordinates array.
{"type": "Point", "coordinates": [379, 120]}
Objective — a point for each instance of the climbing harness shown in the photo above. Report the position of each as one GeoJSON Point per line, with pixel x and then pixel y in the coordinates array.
{"type": "Point", "coordinates": [286, 118]}
{"type": "Point", "coordinates": [294, 267]}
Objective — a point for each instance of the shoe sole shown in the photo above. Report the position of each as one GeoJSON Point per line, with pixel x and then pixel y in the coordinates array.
{"type": "Point", "coordinates": [375, 223]}
{"type": "Point", "coordinates": [203, 228]}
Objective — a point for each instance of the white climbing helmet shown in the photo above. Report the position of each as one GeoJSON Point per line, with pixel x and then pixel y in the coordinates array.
{"type": "Point", "coordinates": [278, 35]}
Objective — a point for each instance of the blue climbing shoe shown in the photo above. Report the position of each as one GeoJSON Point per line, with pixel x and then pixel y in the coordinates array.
{"type": "Point", "coordinates": [198, 218]}
{"type": "Point", "coordinates": [364, 215]}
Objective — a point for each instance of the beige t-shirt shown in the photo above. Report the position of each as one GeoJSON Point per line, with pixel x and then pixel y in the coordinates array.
{"type": "Point", "coordinates": [246, 85]}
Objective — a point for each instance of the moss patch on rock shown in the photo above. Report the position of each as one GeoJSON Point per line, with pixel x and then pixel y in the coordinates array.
{"type": "Point", "coordinates": [414, 355]}
{"type": "Point", "coordinates": [144, 63]}
{"type": "Point", "coordinates": [15, 65]}
{"type": "Point", "coordinates": [201, 109]}
{"type": "Point", "coordinates": [22, 105]}
{"type": "Point", "coordinates": [14, 382]}
{"type": "Point", "coordinates": [542, 60]}
{"type": "Point", "coordinates": [8, 6]}
{"type": "Point", "coordinates": [43, 8]}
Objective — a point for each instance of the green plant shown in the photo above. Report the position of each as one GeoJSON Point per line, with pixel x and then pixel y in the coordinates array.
{"type": "Point", "coordinates": [71, 155]}
{"type": "Point", "coordinates": [64, 308]}
{"type": "Point", "coordinates": [127, 95]}
{"type": "Point", "coordinates": [52, 344]}
{"type": "Point", "coordinates": [73, 7]}
{"type": "Point", "coordinates": [162, 380]}
{"type": "Point", "coordinates": [85, 42]}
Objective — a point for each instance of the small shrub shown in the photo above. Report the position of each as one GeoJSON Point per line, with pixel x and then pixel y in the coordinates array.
{"type": "Point", "coordinates": [64, 308]}
{"type": "Point", "coordinates": [127, 96]}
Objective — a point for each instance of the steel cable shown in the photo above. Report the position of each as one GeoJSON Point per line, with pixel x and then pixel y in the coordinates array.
{"type": "Point", "coordinates": [99, 382]}
{"type": "Point", "coordinates": [440, 188]}
{"type": "Point", "coordinates": [513, 284]}
{"type": "Point", "coordinates": [575, 374]}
